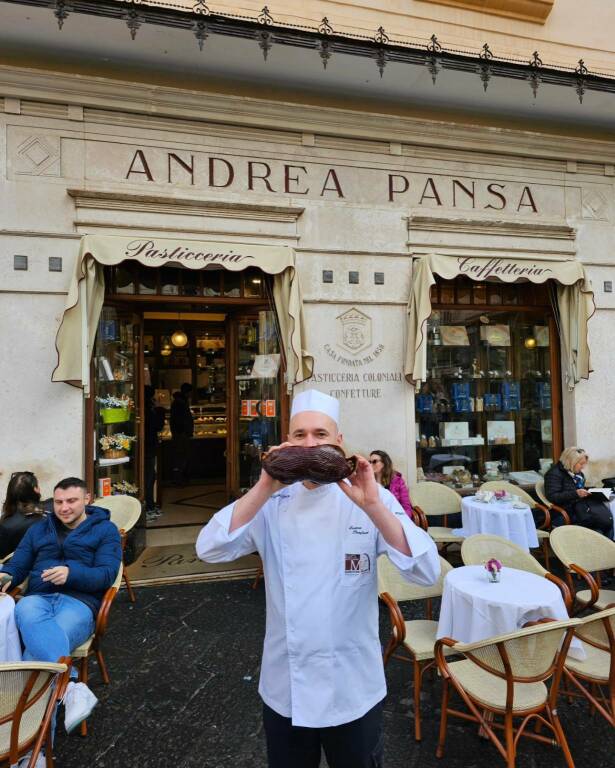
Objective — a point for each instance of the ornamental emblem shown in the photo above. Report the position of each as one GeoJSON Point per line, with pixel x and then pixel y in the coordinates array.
{"type": "Point", "coordinates": [354, 331]}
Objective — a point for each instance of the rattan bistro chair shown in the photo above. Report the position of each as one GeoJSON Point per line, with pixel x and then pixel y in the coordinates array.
{"type": "Point", "coordinates": [542, 531]}
{"type": "Point", "coordinates": [504, 677]}
{"type": "Point", "coordinates": [585, 553]}
{"type": "Point", "coordinates": [594, 677]}
{"type": "Point", "coordinates": [540, 492]}
{"type": "Point", "coordinates": [417, 637]}
{"type": "Point", "coordinates": [93, 644]}
{"type": "Point", "coordinates": [431, 499]}
{"type": "Point", "coordinates": [125, 512]}
{"type": "Point", "coordinates": [476, 550]}
{"type": "Point", "coordinates": [29, 693]}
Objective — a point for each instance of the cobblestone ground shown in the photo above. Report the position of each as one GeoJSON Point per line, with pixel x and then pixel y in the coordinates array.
{"type": "Point", "coordinates": [184, 664]}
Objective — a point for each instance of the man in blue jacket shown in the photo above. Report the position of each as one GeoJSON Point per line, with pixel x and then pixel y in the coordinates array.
{"type": "Point", "coordinates": [71, 558]}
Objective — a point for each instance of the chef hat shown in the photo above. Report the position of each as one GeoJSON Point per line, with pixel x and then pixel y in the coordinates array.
{"type": "Point", "coordinates": [313, 400]}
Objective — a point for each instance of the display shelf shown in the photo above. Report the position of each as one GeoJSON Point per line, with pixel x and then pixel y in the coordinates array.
{"type": "Point", "coordinates": [113, 462]}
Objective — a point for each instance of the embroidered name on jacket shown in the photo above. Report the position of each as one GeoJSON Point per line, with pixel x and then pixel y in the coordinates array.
{"type": "Point", "coordinates": [357, 563]}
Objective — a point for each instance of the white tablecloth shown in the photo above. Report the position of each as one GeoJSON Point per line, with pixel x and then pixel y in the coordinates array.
{"type": "Point", "coordinates": [500, 518]}
{"type": "Point", "coordinates": [475, 609]}
{"type": "Point", "coordinates": [10, 645]}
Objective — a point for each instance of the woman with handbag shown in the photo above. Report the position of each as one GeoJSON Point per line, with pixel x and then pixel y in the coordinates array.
{"type": "Point", "coordinates": [391, 479]}
{"type": "Point", "coordinates": [565, 486]}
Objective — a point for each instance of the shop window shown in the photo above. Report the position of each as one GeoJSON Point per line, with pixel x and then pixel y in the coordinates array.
{"type": "Point", "coordinates": [486, 410]}
{"type": "Point", "coordinates": [212, 282]}
{"type": "Point", "coordinates": [148, 281]}
{"type": "Point", "coordinates": [253, 283]}
{"type": "Point", "coordinates": [169, 283]}
{"type": "Point", "coordinates": [232, 284]}
{"type": "Point", "coordinates": [191, 284]}
{"type": "Point", "coordinates": [124, 281]}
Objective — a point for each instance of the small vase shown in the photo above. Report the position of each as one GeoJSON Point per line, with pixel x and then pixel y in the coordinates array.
{"type": "Point", "coordinates": [494, 576]}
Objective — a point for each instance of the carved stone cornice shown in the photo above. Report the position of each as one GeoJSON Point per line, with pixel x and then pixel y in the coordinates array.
{"type": "Point", "coordinates": [164, 101]}
{"type": "Point", "coordinates": [496, 227]}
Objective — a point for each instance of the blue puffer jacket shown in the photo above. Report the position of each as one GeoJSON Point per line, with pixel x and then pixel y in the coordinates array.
{"type": "Point", "coordinates": [92, 552]}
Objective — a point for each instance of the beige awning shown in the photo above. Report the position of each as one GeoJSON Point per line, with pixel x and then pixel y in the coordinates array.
{"type": "Point", "coordinates": [75, 337]}
{"type": "Point", "coordinates": [574, 297]}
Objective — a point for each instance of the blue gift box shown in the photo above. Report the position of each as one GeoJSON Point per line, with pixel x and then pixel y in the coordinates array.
{"type": "Point", "coordinates": [424, 403]}
{"type": "Point", "coordinates": [492, 402]}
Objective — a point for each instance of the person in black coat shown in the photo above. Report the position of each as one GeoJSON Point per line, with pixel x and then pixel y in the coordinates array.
{"type": "Point", "coordinates": [154, 422]}
{"type": "Point", "coordinates": [565, 486]}
{"type": "Point", "coordinates": [21, 509]}
{"type": "Point", "coordinates": [182, 430]}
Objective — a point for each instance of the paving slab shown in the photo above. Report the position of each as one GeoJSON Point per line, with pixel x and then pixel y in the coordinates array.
{"type": "Point", "coordinates": [184, 664]}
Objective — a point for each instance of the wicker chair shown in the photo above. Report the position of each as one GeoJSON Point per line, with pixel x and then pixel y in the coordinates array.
{"type": "Point", "coordinates": [585, 552]}
{"type": "Point", "coordinates": [542, 531]}
{"type": "Point", "coordinates": [430, 499]}
{"type": "Point", "coordinates": [417, 637]}
{"type": "Point", "coordinates": [594, 677]}
{"type": "Point", "coordinates": [504, 677]}
{"type": "Point", "coordinates": [476, 550]}
{"type": "Point", "coordinates": [29, 693]}
{"type": "Point", "coordinates": [93, 644]}
{"type": "Point", "coordinates": [540, 492]}
{"type": "Point", "coordinates": [125, 513]}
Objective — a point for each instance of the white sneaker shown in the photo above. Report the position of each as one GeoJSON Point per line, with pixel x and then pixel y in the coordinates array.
{"type": "Point", "coordinates": [79, 701]}
{"type": "Point", "coordinates": [40, 760]}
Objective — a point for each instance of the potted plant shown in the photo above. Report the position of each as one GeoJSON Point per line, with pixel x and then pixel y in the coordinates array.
{"type": "Point", "coordinates": [494, 568]}
{"type": "Point", "coordinates": [116, 446]}
{"type": "Point", "coordinates": [114, 410]}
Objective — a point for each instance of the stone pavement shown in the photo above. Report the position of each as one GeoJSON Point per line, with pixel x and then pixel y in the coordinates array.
{"type": "Point", "coordinates": [184, 664]}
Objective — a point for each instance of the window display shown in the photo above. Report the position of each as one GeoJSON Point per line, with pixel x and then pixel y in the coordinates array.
{"type": "Point", "coordinates": [486, 409]}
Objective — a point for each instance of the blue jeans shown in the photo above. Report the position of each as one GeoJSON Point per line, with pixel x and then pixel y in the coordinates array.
{"type": "Point", "coordinates": [52, 626]}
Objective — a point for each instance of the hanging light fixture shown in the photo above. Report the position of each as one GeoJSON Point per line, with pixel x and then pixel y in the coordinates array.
{"type": "Point", "coordinates": [530, 343]}
{"type": "Point", "coordinates": [179, 338]}
{"type": "Point", "coordinates": [165, 346]}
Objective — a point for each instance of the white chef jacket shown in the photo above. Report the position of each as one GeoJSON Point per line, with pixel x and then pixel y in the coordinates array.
{"type": "Point", "coordinates": [322, 658]}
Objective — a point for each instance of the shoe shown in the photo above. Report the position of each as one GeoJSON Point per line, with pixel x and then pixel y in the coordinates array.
{"type": "Point", "coordinates": [41, 762]}
{"type": "Point", "coordinates": [79, 701]}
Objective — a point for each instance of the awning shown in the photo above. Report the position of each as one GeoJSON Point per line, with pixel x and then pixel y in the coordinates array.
{"type": "Point", "coordinates": [75, 337]}
{"type": "Point", "coordinates": [575, 301]}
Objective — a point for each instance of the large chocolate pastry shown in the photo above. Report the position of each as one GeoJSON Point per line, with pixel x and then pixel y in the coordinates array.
{"type": "Point", "coordinates": [320, 464]}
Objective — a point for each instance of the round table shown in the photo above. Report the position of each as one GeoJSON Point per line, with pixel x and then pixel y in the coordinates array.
{"type": "Point", "coordinates": [500, 518]}
{"type": "Point", "coordinates": [10, 645]}
{"type": "Point", "coordinates": [475, 609]}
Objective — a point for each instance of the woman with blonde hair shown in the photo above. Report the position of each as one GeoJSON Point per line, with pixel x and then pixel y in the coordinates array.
{"type": "Point", "coordinates": [565, 486]}
{"type": "Point", "coordinates": [391, 479]}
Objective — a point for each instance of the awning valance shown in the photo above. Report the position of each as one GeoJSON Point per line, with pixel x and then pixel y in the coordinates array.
{"type": "Point", "coordinates": [75, 337]}
{"type": "Point", "coordinates": [574, 298]}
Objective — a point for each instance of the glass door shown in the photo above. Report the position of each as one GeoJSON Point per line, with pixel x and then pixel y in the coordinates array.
{"type": "Point", "coordinates": [117, 428]}
{"type": "Point", "coordinates": [258, 394]}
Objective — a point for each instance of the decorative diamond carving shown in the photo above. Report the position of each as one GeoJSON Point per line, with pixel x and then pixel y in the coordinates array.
{"type": "Point", "coordinates": [595, 205]}
{"type": "Point", "coordinates": [39, 156]}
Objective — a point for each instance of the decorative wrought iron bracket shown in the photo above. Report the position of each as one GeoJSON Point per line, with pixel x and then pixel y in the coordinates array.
{"type": "Point", "coordinates": [484, 67]}
{"type": "Point", "coordinates": [61, 11]}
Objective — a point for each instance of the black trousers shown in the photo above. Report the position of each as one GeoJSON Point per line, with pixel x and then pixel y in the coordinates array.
{"type": "Point", "coordinates": [358, 744]}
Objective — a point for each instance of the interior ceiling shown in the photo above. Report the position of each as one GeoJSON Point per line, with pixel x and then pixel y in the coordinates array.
{"type": "Point", "coordinates": [173, 53]}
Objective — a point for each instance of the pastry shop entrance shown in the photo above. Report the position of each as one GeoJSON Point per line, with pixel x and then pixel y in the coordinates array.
{"type": "Point", "coordinates": [197, 381]}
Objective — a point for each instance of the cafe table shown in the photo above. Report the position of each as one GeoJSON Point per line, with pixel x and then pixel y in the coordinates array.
{"type": "Point", "coordinates": [508, 519]}
{"type": "Point", "coordinates": [473, 608]}
{"type": "Point", "coordinates": [10, 645]}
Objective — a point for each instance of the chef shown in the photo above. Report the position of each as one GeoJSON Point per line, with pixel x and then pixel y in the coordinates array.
{"type": "Point", "coordinates": [322, 677]}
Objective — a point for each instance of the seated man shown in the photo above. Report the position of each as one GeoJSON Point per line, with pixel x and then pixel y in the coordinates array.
{"type": "Point", "coordinates": [71, 558]}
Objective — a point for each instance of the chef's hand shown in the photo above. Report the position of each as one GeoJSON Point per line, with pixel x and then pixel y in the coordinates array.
{"type": "Point", "coordinates": [363, 487]}
{"type": "Point", "coordinates": [56, 575]}
{"type": "Point", "coordinates": [5, 581]}
{"type": "Point", "coordinates": [583, 493]}
{"type": "Point", "coordinates": [268, 482]}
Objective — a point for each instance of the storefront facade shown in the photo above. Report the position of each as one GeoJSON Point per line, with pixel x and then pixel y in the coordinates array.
{"type": "Point", "coordinates": [359, 199]}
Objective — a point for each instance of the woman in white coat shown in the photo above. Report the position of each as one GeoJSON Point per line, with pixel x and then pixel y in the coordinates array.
{"type": "Point", "coordinates": [322, 677]}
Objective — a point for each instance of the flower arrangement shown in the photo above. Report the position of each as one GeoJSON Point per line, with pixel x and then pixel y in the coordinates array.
{"type": "Point", "coordinates": [493, 568]}
{"type": "Point", "coordinates": [500, 495]}
{"type": "Point", "coordinates": [115, 409]}
{"type": "Point", "coordinates": [116, 446]}
{"type": "Point", "coordinates": [115, 402]}
{"type": "Point", "coordinates": [124, 488]}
